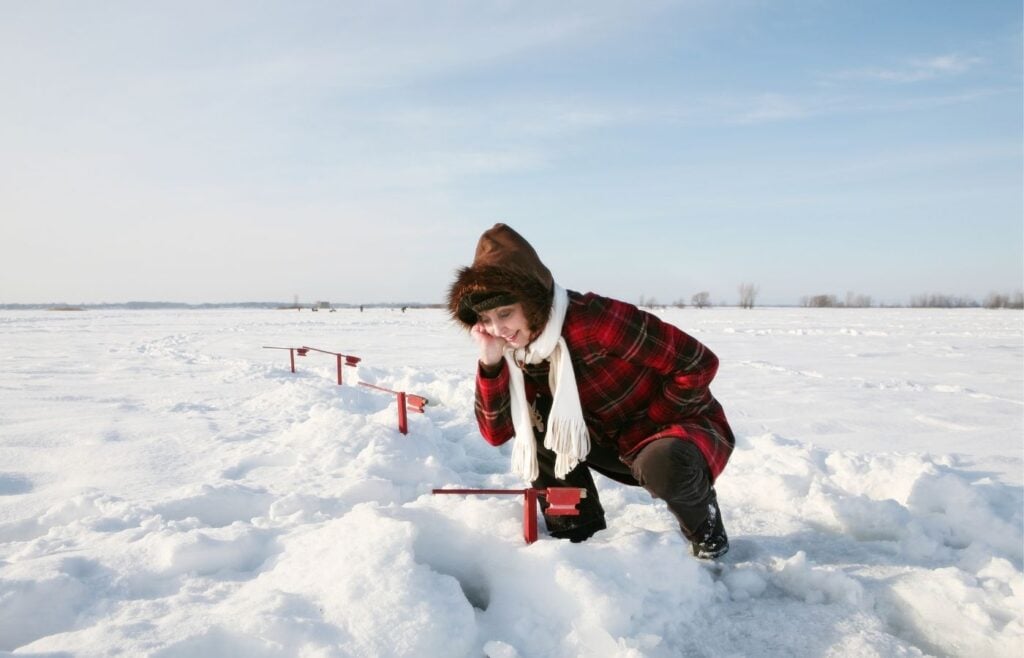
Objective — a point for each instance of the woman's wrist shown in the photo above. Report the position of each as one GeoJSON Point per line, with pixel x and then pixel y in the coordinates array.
{"type": "Point", "coordinates": [490, 357]}
{"type": "Point", "coordinates": [490, 369]}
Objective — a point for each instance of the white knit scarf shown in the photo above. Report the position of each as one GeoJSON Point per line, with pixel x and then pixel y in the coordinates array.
{"type": "Point", "coordinates": [566, 433]}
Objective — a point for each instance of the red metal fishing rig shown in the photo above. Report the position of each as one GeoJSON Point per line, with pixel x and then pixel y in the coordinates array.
{"type": "Point", "coordinates": [291, 352]}
{"type": "Point", "coordinates": [562, 501]}
{"type": "Point", "coordinates": [343, 359]}
{"type": "Point", "coordinates": [406, 402]}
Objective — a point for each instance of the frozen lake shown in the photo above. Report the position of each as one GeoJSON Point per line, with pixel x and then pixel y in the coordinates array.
{"type": "Point", "coordinates": [169, 488]}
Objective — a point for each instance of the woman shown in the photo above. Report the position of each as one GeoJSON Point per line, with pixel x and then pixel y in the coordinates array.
{"type": "Point", "coordinates": [583, 383]}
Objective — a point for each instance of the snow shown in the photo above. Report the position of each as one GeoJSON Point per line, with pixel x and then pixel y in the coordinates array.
{"type": "Point", "coordinates": [170, 489]}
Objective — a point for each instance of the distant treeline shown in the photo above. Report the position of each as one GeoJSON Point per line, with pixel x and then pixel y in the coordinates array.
{"type": "Point", "coordinates": [929, 300]}
{"type": "Point", "coordinates": [700, 300]}
{"type": "Point", "coordinates": [749, 292]}
{"type": "Point", "coordinates": [748, 296]}
{"type": "Point", "coordinates": [144, 306]}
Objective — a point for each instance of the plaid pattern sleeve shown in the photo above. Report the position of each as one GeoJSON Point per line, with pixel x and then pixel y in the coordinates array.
{"type": "Point", "coordinates": [493, 405]}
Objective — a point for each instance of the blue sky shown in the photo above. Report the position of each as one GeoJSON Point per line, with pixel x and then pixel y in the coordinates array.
{"type": "Point", "coordinates": [354, 151]}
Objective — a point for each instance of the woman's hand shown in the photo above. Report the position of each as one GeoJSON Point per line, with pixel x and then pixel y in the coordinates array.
{"type": "Point", "coordinates": [491, 347]}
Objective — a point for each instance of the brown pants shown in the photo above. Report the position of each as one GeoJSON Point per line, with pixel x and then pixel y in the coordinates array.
{"type": "Point", "coordinates": [671, 469]}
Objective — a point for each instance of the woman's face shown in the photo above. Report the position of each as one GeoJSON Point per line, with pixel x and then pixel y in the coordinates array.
{"type": "Point", "coordinates": [508, 323]}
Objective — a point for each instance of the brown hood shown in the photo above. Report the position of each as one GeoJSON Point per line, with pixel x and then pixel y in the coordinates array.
{"type": "Point", "coordinates": [504, 263]}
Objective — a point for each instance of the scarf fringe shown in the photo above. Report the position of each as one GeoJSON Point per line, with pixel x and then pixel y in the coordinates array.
{"type": "Point", "coordinates": [570, 440]}
{"type": "Point", "coordinates": [524, 460]}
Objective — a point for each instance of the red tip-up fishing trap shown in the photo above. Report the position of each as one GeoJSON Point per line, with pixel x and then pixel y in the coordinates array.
{"type": "Point", "coordinates": [343, 359]}
{"type": "Point", "coordinates": [562, 501]}
{"type": "Point", "coordinates": [406, 401]}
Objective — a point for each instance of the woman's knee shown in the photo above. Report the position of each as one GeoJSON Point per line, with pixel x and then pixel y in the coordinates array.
{"type": "Point", "coordinates": [666, 466]}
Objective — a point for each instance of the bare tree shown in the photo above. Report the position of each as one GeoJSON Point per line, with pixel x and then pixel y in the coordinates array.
{"type": "Point", "coordinates": [701, 299]}
{"type": "Point", "coordinates": [996, 300]}
{"type": "Point", "coordinates": [647, 302]}
{"type": "Point", "coordinates": [935, 300]}
{"type": "Point", "coordinates": [748, 294]}
{"type": "Point", "coordinates": [854, 300]}
{"type": "Point", "coordinates": [820, 301]}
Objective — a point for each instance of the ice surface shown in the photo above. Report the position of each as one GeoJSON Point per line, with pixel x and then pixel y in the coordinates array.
{"type": "Point", "coordinates": [170, 489]}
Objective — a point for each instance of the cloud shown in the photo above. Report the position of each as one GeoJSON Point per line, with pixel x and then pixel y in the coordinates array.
{"type": "Point", "coordinates": [776, 107]}
{"type": "Point", "coordinates": [915, 70]}
{"type": "Point", "coordinates": [770, 107]}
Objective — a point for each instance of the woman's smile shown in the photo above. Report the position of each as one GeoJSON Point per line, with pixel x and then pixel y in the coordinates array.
{"type": "Point", "coordinates": [507, 323]}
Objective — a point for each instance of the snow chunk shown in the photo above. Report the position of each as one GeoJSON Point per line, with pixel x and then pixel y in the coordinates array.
{"type": "Point", "coordinates": [798, 577]}
{"type": "Point", "coordinates": [950, 612]}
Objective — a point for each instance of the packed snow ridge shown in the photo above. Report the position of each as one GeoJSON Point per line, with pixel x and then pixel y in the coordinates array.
{"type": "Point", "coordinates": [170, 489]}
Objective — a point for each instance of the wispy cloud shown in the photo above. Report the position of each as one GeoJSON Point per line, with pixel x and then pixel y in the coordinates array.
{"type": "Point", "coordinates": [776, 107]}
{"type": "Point", "coordinates": [914, 70]}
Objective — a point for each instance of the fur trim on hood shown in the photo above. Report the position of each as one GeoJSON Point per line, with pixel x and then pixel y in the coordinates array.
{"type": "Point", "coordinates": [505, 267]}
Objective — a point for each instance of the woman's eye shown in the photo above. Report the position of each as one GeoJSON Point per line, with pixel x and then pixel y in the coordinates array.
{"type": "Point", "coordinates": [504, 314]}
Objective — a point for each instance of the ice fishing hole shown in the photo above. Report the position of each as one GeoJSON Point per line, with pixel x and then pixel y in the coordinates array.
{"type": "Point", "coordinates": [476, 592]}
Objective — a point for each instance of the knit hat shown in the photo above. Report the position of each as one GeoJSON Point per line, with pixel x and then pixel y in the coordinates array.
{"type": "Point", "coordinates": [505, 270]}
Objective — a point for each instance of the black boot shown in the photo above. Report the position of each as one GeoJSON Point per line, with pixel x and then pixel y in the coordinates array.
{"type": "Point", "coordinates": [710, 541]}
{"type": "Point", "coordinates": [579, 533]}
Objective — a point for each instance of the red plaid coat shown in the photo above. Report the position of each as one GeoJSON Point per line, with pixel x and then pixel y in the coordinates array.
{"type": "Point", "coordinates": [639, 379]}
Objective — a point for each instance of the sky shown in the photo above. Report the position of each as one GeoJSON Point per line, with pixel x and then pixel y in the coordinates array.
{"type": "Point", "coordinates": [354, 152]}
